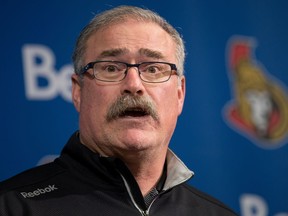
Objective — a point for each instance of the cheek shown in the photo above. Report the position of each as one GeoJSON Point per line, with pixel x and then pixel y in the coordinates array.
{"type": "Point", "coordinates": [94, 103]}
{"type": "Point", "coordinates": [167, 101]}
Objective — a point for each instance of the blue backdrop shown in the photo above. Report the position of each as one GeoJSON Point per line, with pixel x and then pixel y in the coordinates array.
{"type": "Point", "coordinates": [233, 130]}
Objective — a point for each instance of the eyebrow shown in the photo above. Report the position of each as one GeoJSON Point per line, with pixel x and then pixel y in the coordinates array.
{"type": "Point", "coordinates": [151, 53]}
{"type": "Point", "coordinates": [113, 52]}
{"type": "Point", "coordinates": [121, 51]}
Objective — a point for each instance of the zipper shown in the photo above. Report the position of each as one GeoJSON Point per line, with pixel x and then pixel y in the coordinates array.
{"type": "Point", "coordinates": [143, 212]}
{"type": "Point", "coordinates": [148, 210]}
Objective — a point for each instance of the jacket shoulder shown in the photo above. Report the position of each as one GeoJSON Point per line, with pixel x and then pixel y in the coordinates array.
{"type": "Point", "coordinates": [207, 200]}
{"type": "Point", "coordinates": [31, 176]}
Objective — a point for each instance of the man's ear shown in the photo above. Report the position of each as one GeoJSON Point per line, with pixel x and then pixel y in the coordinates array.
{"type": "Point", "coordinates": [181, 93]}
{"type": "Point", "coordinates": [76, 91]}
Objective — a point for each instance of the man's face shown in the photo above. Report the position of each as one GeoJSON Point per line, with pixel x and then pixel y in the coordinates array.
{"type": "Point", "coordinates": [131, 42]}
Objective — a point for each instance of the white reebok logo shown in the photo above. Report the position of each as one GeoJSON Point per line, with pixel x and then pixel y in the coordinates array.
{"type": "Point", "coordinates": [39, 191]}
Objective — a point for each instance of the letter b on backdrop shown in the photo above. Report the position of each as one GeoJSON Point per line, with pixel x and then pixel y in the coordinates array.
{"type": "Point", "coordinates": [39, 65]}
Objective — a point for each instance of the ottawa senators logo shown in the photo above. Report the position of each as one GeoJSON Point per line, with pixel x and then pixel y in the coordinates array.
{"type": "Point", "coordinates": [259, 109]}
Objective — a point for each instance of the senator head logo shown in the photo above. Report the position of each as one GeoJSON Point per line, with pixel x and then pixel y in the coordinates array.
{"type": "Point", "coordinates": [259, 105]}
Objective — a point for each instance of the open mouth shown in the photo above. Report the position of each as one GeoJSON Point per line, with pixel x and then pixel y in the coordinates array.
{"type": "Point", "coordinates": [134, 112]}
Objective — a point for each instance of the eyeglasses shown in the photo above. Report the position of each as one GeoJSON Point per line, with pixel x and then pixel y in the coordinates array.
{"type": "Point", "coordinates": [115, 71]}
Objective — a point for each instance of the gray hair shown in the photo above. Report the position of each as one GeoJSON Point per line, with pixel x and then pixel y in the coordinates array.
{"type": "Point", "coordinates": [120, 14]}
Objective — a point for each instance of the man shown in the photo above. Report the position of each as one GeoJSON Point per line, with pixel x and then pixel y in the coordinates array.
{"type": "Point", "coordinates": [129, 90]}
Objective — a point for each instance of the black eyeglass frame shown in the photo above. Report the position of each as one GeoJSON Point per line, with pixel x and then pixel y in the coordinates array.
{"type": "Point", "coordinates": [90, 65]}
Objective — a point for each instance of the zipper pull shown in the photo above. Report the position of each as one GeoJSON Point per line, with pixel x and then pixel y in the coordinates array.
{"type": "Point", "coordinates": [144, 213]}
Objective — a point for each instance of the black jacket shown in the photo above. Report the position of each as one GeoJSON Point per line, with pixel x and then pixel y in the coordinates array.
{"type": "Point", "coordinates": [82, 183]}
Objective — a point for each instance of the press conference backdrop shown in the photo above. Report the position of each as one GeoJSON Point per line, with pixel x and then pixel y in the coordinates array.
{"type": "Point", "coordinates": [234, 127]}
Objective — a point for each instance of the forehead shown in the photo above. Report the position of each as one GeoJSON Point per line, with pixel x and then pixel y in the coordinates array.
{"type": "Point", "coordinates": [130, 38]}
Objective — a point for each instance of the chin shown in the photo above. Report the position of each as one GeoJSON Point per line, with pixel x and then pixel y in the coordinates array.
{"type": "Point", "coordinates": [137, 143]}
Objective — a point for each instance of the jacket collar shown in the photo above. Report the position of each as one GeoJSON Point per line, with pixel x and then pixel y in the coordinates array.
{"type": "Point", "coordinates": [177, 171]}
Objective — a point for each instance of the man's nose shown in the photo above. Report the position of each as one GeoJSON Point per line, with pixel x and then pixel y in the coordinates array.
{"type": "Point", "coordinates": [132, 84]}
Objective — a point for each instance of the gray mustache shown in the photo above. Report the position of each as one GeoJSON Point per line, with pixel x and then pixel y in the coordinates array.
{"type": "Point", "coordinates": [129, 102]}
